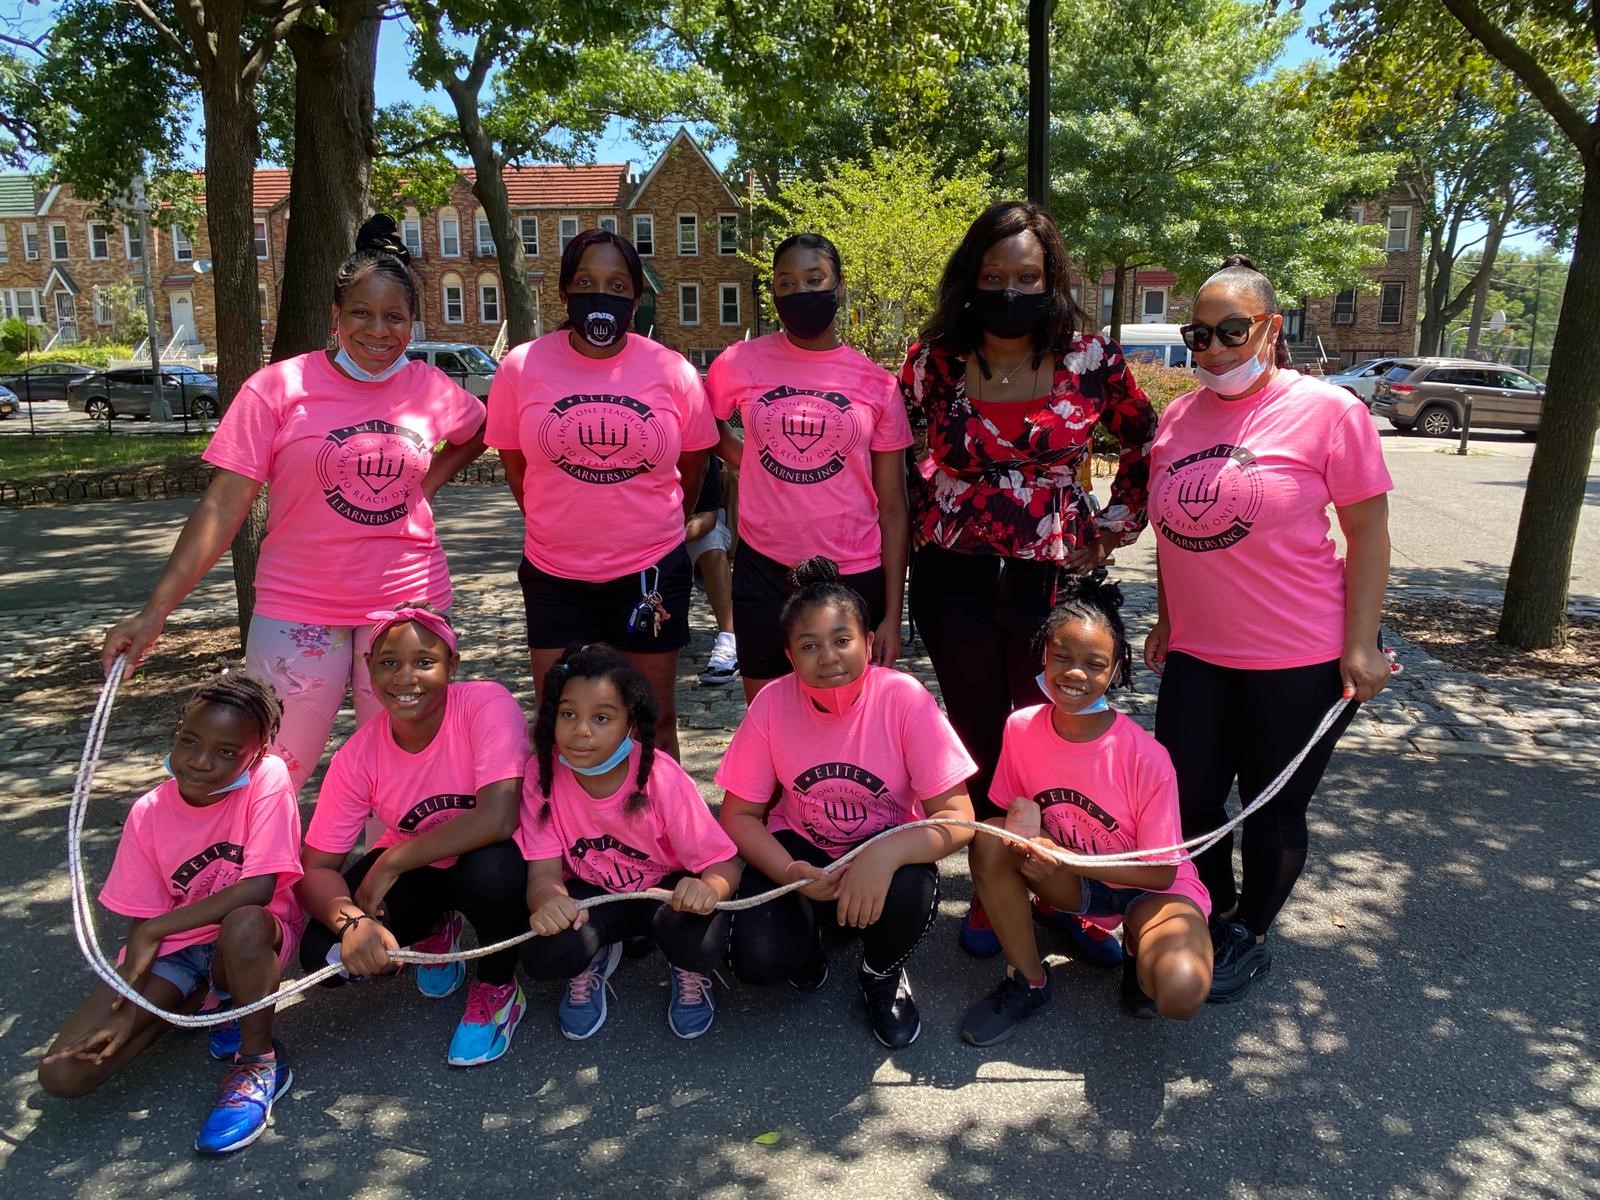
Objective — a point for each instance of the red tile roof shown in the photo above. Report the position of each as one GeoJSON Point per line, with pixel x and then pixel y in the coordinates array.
{"type": "Point", "coordinates": [271, 187]}
{"type": "Point", "coordinates": [598, 185]}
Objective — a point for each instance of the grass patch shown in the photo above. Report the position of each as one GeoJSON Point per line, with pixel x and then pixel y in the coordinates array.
{"type": "Point", "coordinates": [29, 458]}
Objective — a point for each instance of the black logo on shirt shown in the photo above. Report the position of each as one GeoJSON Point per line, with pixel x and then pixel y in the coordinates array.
{"type": "Point", "coordinates": [367, 471]}
{"type": "Point", "coordinates": [841, 804]}
{"type": "Point", "coordinates": [214, 868]}
{"type": "Point", "coordinates": [419, 818]}
{"type": "Point", "coordinates": [802, 435]}
{"type": "Point", "coordinates": [1209, 500]}
{"type": "Point", "coordinates": [1073, 820]}
{"type": "Point", "coordinates": [615, 865]}
{"type": "Point", "coordinates": [603, 439]}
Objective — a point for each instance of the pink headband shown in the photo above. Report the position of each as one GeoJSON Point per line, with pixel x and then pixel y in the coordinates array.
{"type": "Point", "coordinates": [386, 619]}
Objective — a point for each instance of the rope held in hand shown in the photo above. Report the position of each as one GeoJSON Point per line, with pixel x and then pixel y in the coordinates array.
{"type": "Point", "coordinates": [89, 940]}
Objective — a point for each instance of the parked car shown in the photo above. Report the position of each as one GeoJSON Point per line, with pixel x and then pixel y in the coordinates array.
{"type": "Point", "coordinates": [1429, 394]}
{"type": "Point", "coordinates": [8, 402]}
{"type": "Point", "coordinates": [468, 365]}
{"type": "Point", "coordinates": [1362, 379]}
{"type": "Point", "coordinates": [47, 381]}
{"type": "Point", "coordinates": [129, 392]}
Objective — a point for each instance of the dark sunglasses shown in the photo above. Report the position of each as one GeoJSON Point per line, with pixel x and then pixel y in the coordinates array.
{"type": "Point", "coordinates": [1230, 331]}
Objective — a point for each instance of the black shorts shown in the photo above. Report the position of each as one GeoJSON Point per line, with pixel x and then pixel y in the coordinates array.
{"type": "Point", "coordinates": [567, 612]}
{"type": "Point", "coordinates": [760, 586]}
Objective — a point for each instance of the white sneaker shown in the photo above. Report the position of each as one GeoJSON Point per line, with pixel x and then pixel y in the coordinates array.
{"type": "Point", "coordinates": [723, 666]}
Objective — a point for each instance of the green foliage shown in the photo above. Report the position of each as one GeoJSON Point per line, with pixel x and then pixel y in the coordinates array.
{"type": "Point", "coordinates": [17, 336]}
{"type": "Point", "coordinates": [870, 210]}
{"type": "Point", "coordinates": [129, 322]}
{"type": "Point", "coordinates": [418, 164]}
{"type": "Point", "coordinates": [90, 354]}
{"type": "Point", "coordinates": [1161, 383]}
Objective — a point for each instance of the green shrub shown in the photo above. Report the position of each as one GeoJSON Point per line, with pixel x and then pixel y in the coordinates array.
{"type": "Point", "coordinates": [1162, 384]}
{"type": "Point", "coordinates": [89, 354]}
{"type": "Point", "coordinates": [17, 336]}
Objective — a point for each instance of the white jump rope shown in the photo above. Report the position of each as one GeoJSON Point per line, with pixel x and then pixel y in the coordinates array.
{"type": "Point", "coordinates": [89, 941]}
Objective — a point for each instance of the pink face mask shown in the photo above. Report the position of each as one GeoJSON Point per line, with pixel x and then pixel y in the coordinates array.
{"type": "Point", "coordinates": [835, 701]}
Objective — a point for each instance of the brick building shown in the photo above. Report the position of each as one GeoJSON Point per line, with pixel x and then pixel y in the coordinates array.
{"type": "Point", "coordinates": [57, 255]}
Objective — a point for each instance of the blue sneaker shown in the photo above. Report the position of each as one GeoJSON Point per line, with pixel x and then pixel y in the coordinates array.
{"type": "Point", "coordinates": [690, 1008]}
{"type": "Point", "coordinates": [244, 1103]}
{"type": "Point", "coordinates": [223, 1041]}
{"type": "Point", "coordinates": [978, 937]}
{"type": "Point", "coordinates": [1090, 943]}
{"type": "Point", "coordinates": [583, 1004]}
{"type": "Point", "coordinates": [438, 981]}
{"type": "Point", "coordinates": [484, 1034]}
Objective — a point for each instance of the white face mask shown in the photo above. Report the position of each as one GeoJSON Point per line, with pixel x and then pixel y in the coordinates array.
{"type": "Point", "coordinates": [1234, 381]}
{"type": "Point", "coordinates": [349, 367]}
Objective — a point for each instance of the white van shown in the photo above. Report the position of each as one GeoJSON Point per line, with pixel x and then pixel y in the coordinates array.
{"type": "Point", "coordinates": [1154, 343]}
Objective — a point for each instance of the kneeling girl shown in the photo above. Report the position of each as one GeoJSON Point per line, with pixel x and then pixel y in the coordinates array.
{"type": "Point", "coordinates": [849, 750]}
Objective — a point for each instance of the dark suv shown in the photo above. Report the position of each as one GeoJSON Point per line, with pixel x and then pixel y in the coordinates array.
{"type": "Point", "coordinates": [1429, 394]}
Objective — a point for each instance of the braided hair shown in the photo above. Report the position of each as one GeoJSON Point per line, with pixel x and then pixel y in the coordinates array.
{"type": "Point", "coordinates": [1095, 599]}
{"type": "Point", "coordinates": [257, 700]}
{"type": "Point", "coordinates": [380, 249]}
{"type": "Point", "coordinates": [602, 662]}
{"type": "Point", "coordinates": [817, 582]}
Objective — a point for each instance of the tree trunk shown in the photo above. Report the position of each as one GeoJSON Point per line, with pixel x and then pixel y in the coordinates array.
{"type": "Point", "coordinates": [1436, 292]}
{"type": "Point", "coordinates": [1534, 616]}
{"type": "Point", "coordinates": [1480, 290]}
{"type": "Point", "coordinates": [1119, 294]}
{"type": "Point", "coordinates": [328, 187]}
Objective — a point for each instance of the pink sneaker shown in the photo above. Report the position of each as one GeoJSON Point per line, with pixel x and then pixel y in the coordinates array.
{"type": "Point", "coordinates": [484, 1034]}
{"type": "Point", "coordinates": [440, 979]}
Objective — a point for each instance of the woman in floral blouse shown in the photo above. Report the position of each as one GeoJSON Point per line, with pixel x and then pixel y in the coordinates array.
{"type": "Point", "coordinates": [1010, 389]}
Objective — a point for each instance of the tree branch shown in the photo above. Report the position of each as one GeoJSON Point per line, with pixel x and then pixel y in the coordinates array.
{"type": "Point", "coordinates": [190, 55]}
{"type": "Point", "coordinates": [267, 44]}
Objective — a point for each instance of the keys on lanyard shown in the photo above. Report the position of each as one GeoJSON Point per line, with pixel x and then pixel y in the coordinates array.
{"type": "Point", "coordinates": [650, 609]}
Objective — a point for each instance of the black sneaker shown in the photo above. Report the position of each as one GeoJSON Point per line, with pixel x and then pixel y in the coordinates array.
{"type": "Point", "coordinates": [1134, 1001]}
{"type": "Point", "coordinates": [1236, 965]}
{"type": "Point", "coordinates": [996, 1017]}
{"type": "Point", "coordinates": [891, 1009]}
{"type": "Point", "coordinates": [813, 974]}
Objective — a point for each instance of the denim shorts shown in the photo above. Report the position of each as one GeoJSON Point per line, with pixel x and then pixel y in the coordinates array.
{"type": "Point", "coordinates": [1102, 900]}
{"type": "Point", "coordinates": [186, 969]}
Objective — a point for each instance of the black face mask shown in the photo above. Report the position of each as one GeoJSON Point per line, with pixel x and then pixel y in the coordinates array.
{"type": "Point", "coordinates": [808, 314]}
{"type": "Point", "coordinates": [1010, 314]}
{"type": "Point", "coordinates": [599, 319]}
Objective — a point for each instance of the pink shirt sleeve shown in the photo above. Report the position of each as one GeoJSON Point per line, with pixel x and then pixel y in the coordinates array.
{"type": "Point", "coordinates": [536, 840]}
{"type": "Point", "coordinates": [1355, 469]}
{"type": "Point", "coordinates": [135, 886]}
{"type": "Point", "coordinates": [461, 414]}
{"type": "Point", "coordinates": [721, 388]}
{"type": "Point", "coordinates": [893, 430]}
{"type": "Point", "coordinates": [691, 830]}
{"type": "Point", "coordinates": [344, 803]}
{"type": "Point", "coordinates": [1156, 820]}
{"type": "Point", "coordinates": [935, 755]}
{"type": "Point", "coordinates": [246, 435]}
{"type": "Point", "coordinates": [501, 429]}
{"type": "Point", "coordinates": [272, 833]}
{"type": "Point", "coordinates": [699, 427]}
{"type": "Point", "coordinates": [1005, 786]}
{"type": "Point", "coordinates": [499, 740]}
{"type": "Point", "coordinates": [747, 770]}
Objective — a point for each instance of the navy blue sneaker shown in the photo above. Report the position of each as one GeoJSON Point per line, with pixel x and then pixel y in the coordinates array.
{"type": "Point", "coordinates": [1237, 963]}
{"type": "Point", "coordinates": [978, 937]}
{"type": "Point", "coordinates": [1090, 943]}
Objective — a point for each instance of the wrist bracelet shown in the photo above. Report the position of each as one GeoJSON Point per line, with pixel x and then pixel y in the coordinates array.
{"type": "Point", "coordinates": [347, 923]}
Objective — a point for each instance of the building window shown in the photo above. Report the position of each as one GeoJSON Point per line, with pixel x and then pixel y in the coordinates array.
{"type": "Point", "coordinates": [261, 296]}
{"type": "Point", "coordinates": [728, 302]}
{"type": "Point", "coordinates": [182, 247]}
{"type": "Point", "coordinates": [1399, 229]}
{"type": "Point", "coordinates": [1108, 294]}
{"type": "Point", "coordinates": [58, 242]}
{"type": "Point", "coordinates": [137, 305]}
{"type": "Point", "coordinates": [485, 237]}
{"type": "Point", "coordinates": [1357, 212]}
{"type": "Point", "coordinates": [528, 229]}
{"type": "Point", "coordinates": [1155, 305]}
{"type": "Point", "coordinates": [609, 224]}
{"type": "Point", "coordinates": [644, 235]}
{"type": "Point", "coordinates": [1389, 306]}
{"type": "Point", "coordinates": [5, 253]}
{"type": "Point", "coordinates": [569, 230]}
{"type": "Point", "coordinates": [489, 300]}
{"type": "Point", "coordinates": [1344, 308]}
{"type": "Point", "coordinates": [454, 308]}
{"type": "Point", "coordinates": [688, 233]}
{"type": "Point", "coordinates": [30, 242]}
{"type": "Point", "coordinates": [132, 243]}
{"type": "Point", "coordinates": [30, 305]}
{"type": "Point", "coordinates": [103, 314]}
{"type": "Point", "coordinates": [449, 235]}
{"type": "Point", "coordinates": [411, 233]}
{"type": "Point", "coordinates": [689, 303]}
{"type": "Point", "coordinates": [727, 233]}
{"type": "Point", "coordinates": [99, 240]}
{"type": "Point", "coordinates": [261, 239]}
{"type": "Point", "coordinates": [702, 359]}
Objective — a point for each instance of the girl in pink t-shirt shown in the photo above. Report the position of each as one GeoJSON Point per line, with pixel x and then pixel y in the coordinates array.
{"type": "Point", "coordinates": [1261, 625]}
{"type": "Point", "coordinates": [441, 770]}
{"type": "Point", "coordinates": [1075, 774]}
{"type": "Point", "coordinates": [607, 814]}
{"type": "Point", "coordinates": [206, 869]}
{"type": "Point", "coordinates": [849, 750]}
{"type": "Point", "coordinates": [604, 436]}
{"type": "Point", "coordinates": [344, 440]}
{"type": "Point", "coordinates": [826, 434]}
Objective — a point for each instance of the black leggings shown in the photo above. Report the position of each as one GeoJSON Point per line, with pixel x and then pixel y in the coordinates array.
{"type": "Point", "coordinates": [978, 615]}
{"type": "Point", "coordinates": [1223, 723]}
{"type": "Point", "coordinates": [773, 941]}
{"type": "Point", "coordinates": [488, 886]}
{"type": "Point", "coordinates": [689, 942]}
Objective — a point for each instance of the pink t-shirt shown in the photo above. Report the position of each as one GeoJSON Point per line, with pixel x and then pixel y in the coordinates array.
{"type": "Point", "coordinates": [484, 739]}
{"type": "Point", "coordinates": [173, 853]}
{"type": "Point", "coordinates": [602, 437]}
{"type": "Point", "coordinates": [812, 420]}
{"type": "Point", "coordinates": [601, 843]}
{"type": "Point", "coordinates": [845, 778]}
{"type": "Point", "coordinates": [348, 528]}
{"type": "Point", "coordinates": [1239, 495]}
{"type": "Point", "coordinates": [1114, 794]}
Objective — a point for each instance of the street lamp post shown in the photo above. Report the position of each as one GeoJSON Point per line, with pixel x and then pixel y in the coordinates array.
{"type": "Point", "coordinates": [160, 410]}
{"type": "Point", "coordinates": [1039, 12]}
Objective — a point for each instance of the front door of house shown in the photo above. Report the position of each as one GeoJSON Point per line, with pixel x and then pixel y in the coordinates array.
{"type": "Point", "coordinates": [66, 316]}
{"type": "Point", "coordinates": [181, 305]}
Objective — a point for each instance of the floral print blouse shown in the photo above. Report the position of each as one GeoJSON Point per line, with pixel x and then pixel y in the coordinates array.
{"type": "Point", "coordinates": [982, 494]}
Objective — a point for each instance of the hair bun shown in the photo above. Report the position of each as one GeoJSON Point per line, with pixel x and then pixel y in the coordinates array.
{"type": "Point", "coordinates": [380, 233]}
{"type": "Point", "coordinates": [1239, 260]}
{"type": "Point", "coordinates": [1096, 589]}
{"type": "Point", "coordinates": [820, 569]}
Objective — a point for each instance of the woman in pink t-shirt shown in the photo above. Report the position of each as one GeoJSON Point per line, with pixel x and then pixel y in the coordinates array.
{"type": "Point", "coordinates": [826, 432]}
{"type": "Point", "coordinates": [850, 750]}
{"type": "Point", "coordinates": [1261, 625]}
{"type": "Point", "coordinates": [206, 869]}
{"type": "Point", "coordinates": [344, 439]}
{"type": "Point", "coordinates": [604, 436]}
{"type": "Point", "coordinates": [441, 770]}
{"type": "Point", "coordinates": [606, 815]}
{"type": "Point", "coordinates": [1076, 775]}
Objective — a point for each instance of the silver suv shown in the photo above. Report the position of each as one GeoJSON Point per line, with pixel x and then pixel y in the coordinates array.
{"type": "Point", "coordinates": [1430, 394]}
{"type": "Point", "coordinates": [468, 365]}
